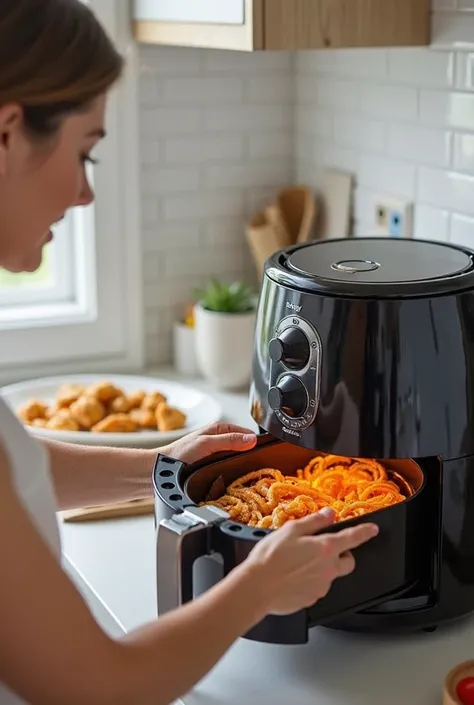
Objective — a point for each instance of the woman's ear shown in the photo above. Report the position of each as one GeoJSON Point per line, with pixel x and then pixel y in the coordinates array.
{"type": "Point", "coordinates": [11, 121]}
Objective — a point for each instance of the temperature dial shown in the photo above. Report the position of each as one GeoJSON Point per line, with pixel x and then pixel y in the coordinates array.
{"type": "Point", "coordinates": [289, 396]}
{"type": "Point", "coordinates": [291, 348]}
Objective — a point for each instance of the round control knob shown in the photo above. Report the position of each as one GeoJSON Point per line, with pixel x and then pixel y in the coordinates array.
{"type": "Point", "coordinates": [291, 348]}
{"type": "Point", "coordinates": [289, 396]}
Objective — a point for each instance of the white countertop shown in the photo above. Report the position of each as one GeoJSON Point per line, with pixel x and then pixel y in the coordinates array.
{"type": "Point", "coordinates": [114, 564]}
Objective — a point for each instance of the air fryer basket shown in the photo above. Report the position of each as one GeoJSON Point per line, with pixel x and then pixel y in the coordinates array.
{"type": "Point", "coordinates": [386, 566]}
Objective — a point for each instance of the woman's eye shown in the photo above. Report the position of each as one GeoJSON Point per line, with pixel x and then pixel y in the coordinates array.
{"type": "Point", "coordinates": [87, 159]}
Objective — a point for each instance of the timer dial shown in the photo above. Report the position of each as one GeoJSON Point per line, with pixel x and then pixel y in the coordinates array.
{"type": "Point", "coordinates": [289, 396]}
{"type": "Point", "coordinates": [291, 348]}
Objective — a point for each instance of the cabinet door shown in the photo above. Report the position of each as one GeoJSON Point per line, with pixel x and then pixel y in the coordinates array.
{"type": "Point", "coordinates": [228, 12]}
{"type": "Point", "coordinates": [218, 24]}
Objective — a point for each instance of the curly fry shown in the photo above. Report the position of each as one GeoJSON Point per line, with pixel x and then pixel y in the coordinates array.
{"type": "Point", "coordinates": [352, 487]}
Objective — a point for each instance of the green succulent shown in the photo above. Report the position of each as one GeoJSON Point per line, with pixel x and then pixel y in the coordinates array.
{"type": "Point", "coordinates": [218, 296]}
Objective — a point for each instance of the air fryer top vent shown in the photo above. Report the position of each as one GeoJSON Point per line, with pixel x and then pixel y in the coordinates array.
{"type": "Point", "coordinates": [375, 267]}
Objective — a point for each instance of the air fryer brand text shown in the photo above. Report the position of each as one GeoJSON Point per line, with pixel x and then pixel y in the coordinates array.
{"type": "Point", "coordinates": [293, 307]}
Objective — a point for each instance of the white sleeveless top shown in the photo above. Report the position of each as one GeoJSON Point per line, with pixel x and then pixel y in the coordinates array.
{"type": "Point", "coordinates": [29, 465]}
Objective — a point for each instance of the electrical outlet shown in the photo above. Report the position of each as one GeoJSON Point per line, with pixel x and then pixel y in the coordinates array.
{"type": "Point", "coordinates": [393, 217]}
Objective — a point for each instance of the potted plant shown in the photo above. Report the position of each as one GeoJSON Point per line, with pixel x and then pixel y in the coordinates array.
{"type": "Point", "coordinates": [224, 333]}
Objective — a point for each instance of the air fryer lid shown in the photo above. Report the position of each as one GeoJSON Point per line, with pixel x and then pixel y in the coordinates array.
{"type": "Point", "coordinates": [379, 264]}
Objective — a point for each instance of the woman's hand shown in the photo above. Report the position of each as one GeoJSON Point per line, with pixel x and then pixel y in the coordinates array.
{"type": "Point", "coordinates": [210, 440]}
{"type": "Point", "coordinates": [291, 569]}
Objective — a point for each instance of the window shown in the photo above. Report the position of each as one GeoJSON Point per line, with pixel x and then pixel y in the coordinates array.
{"type": "Point", "coordinates": [83, 308]}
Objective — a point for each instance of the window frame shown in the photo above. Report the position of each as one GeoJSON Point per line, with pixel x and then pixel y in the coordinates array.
{"type": "Point", "coordinates": [103, 327]}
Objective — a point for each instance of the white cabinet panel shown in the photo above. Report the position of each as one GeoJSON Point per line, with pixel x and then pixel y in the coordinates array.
{"type": "Point", "coordinates": [230, 12]}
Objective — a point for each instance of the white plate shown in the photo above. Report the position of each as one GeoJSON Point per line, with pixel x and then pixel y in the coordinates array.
{"type": "Point", "coordinates": [200, 409]}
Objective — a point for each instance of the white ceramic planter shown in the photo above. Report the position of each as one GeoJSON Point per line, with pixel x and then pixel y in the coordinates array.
{"type": "Point", "coordinates": [224, 346]}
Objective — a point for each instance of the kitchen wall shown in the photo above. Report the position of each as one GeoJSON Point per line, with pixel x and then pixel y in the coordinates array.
{"type": "Point", "coordinates": [216, 140]}
{"type": "Point", "coordinates": [401, 120]}
{"type": "Point", "coordinates": [220, 131]}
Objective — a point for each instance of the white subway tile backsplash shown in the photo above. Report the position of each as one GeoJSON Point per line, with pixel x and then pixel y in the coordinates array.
{"type": "Point", "coordinates": [202, 90]}
{"type": "Point", "coordinates": [149, 209]}
{"type": "Point", "coordinates": [462, 231]}
{"type": "Point", "coordinates": [465, 71]}
{"type": "Point", "coordinates": [165, 180]}
{"type": "Point", "coordinates": [241, 63]}
{"type": "Point", "coordinates": [202, 205]}
{"type": "Point", "coordinates": [307, 62]}
{"type": "Point", "coordinates": [161, 122]}
{"type": "Point", "coordinates": [421, 67]}
{"type": "Point", "coordinates": [446, 189]}
{"type": "Point", "coordinates": [431, 223]}
{"type": "Point", "coordinates": [331, 92]}
{"type": "Point", "coordinates": [268, 89]}
{"type": "Point", "coordinates": [273, 145]}
{"type": "Point", "coordinates": [200, 149]}
{"type": "Point", "coordinates": [150, 152]}
{"type": "Point", "coordinates": [361, 133]}
{"type": "Point", "coordinates": [452, 30]}
{"type": "Point", "coordinates": [463, 159]}
{"type": "Point", "coordinates": [170, 61]}
{"type": "Point", "coordinates": [169, 237]}
{"type": "Point", "coordinates": [332, 156]}
{"type": "Point", "coordinates": [420, 144]}
{"type": "Point", "coordinates": [388, 101]}
{"type": "Point", "coordinates": [388, 175]}
{"type": "Point", "coordinates": [315, 122]}
{"type": "Point", "coordinates": [251, 174]}
{"type": "Point", "coordinates": [150, 89]}
{"type": "Point", "coordinates": [221, 231]}
{"type": "Point", "coordinates": [360, 63]}
{"type": "Point", "coordinates": [448, 109]}
{"type": "Point", "coordinates": [248, 118]}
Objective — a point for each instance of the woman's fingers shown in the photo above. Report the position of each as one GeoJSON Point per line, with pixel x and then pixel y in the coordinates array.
{"type": "Point", "coordinates": [348, 539]}
{"type": "Point", "coordinates": [346, 564]}
{"type": "Point", "coordinates": [312, 523]}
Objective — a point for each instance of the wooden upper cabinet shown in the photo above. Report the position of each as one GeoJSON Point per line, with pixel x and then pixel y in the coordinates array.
{"type": "Point", "coordinates": [252, 25]}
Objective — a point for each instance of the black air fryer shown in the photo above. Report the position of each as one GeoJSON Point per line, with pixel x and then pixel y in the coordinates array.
{"type": "Point", "coordinates": [364, 348]}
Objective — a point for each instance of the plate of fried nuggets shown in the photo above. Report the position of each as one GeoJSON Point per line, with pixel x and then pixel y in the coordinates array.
{"type": "Point", "coordinates": [118, 410]}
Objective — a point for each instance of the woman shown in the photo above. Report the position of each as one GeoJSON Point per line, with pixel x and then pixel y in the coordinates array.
{"type": "Point", "coordinates": [56, 67]}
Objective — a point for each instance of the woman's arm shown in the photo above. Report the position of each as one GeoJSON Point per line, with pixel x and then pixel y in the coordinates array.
{"type": "Point", "coordinates": [52, 652]}
{"type": "Point", "coordinates": [90, 475]}
{"type": "Point", "coordinates": [84, 476]}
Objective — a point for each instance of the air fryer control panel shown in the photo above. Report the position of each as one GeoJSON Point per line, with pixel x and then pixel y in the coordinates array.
{"type": "Point", "coordinates": [295, 370]}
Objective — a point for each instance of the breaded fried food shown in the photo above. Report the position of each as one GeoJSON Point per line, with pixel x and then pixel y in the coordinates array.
{"type": "Point", "coordinates": [115, 423]}
{"type": "Point", "coordinates": [168, 418]}
{"type": "Point", "coordinates": [87, 411]}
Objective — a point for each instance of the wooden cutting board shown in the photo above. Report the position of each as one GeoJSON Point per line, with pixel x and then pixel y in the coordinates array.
{"type": "Point", "coordinates": [139, 507]}
{"type": "Point", "coordinates": [336, 194]}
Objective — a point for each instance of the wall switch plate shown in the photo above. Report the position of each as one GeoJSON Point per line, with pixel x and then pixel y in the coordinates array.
{"type": "Point", "coordinates": [393, 217]}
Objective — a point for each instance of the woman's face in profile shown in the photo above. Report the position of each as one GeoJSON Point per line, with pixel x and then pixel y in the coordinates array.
{"type": "Point", "coordinates": [40, 179]}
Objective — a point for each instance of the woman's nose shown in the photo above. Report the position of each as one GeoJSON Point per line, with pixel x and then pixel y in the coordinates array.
{"type": "Point", "coordinates": [86, 195]}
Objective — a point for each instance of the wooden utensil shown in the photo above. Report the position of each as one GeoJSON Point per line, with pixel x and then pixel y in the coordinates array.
{"type": "Point", "coordinates": [265, 236]}
{"type": "Point", "coordinates": [298, 208]}
{"type": "Point", "coordinates": [139, 507]}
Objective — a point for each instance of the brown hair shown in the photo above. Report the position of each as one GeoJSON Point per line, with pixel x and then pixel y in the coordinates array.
{"type": "Point", "coordinates": [55, 59]}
